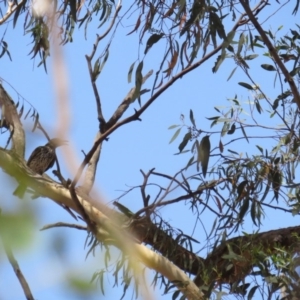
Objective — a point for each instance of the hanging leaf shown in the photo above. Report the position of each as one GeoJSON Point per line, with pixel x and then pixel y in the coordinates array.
{"type": "Point", "coordinates": [241, 43]}
{"type": "Point", "coordinates": [231, 74]}
{"type": "Point", "coordinates": [232, 129]}
{"type": "Point", "coordinates": [241, 189]}
{"type": "Point", "coordinates": [219, 61]}
{"type": "Point", "coordinates": [138, 22]}
{"type": "Point", "coordinates": [221, 147]}
{"type": "Point", "coordinates": [154, 38]}
{"type": "Point", "coordinates": [138, 82]}
{"type": "Point", "coordinates": [225, 128]}
{"type": "Point", "coordinates": [258, 107]}
{"type": "Point", "coordinates": [244, 133]}
{"type": "Point", "coordinates": [276, 182]}
{"type": "Point", "coordinates": [253, 212]}
{"type": "Point", "coordinates": [192, 118]}
{"type": "Point", "coordinates": [139, 76]}
{"type": "Point", "coordinates": [175, 135]}
{"type": "Point", "coordinates": [203, 154]}
{"type": "Point", "coordinates": [244, 208]}
{"type": "Point", "coordinates": [260, 149]}
{"type": "Point", "coordinates": [36, 121]}
{"type": "Point", "coordinates": [130, 73]}
{"type": "Point", "coordinates": [185, 140]}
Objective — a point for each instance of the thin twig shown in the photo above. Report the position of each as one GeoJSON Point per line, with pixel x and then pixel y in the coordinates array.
{"type": "Point", "coordinates": [18, 272]}
{"type": "Point", "coordinates": [89, 59]}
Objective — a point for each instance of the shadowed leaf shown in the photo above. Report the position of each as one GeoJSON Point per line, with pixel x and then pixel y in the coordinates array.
{"type": "Point", "coordinates": [203, 154]}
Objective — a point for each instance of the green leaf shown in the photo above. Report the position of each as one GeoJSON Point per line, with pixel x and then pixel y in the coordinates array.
{"type": "Point", "coordinates": [250, 57]}
{"type": "Point", "coordinates": [241, 43]}
{"type": "Point", "coordinates": [258, 107]}
{"type": "Point", "coordinates": [260, 149]}
{"type": "Point", "coordinates": [241, 187]}
{"type": "Point", "coordinates": [213, 118]}
{"type": "Point", "coordinates": [138, 82]}
{"type": "Point", "coordinates": [173, 126]}
{"type": "Point", "coordinates": [176, 294]}
{"type": "Point", "coordinates": [232, 129]}
{"type": "Point", "coordinates": [228, 39]}
{"type": "Point", "coordinates": [231, 74]}
{"type": "Point", "coordinates": [244, 208]}
{"type": "Point", "coordinates": [244, 133]}
{"type": "Point", "coordinates": [139, 76]}
{"type": "Point", "coordinates": [185, 140]}
{"type": "Point", "coordinates": [36, 121]}
{"type": "Point", "coordinates": [130, 73]}
{"type": "Point", "coordinates": [253, 212]}
{"type": "Point", "coordinates": [96, 70]}
{"type": "Point", "coordinates": [246, 85]}
{"type": "Point", "coordinates": [252, 292]}
{"type": "Point", "coordinates": [268, 67]}
{"type": "Point", "coordinates": [154, 38]}
{"type": "Point", "coordinates": [17, 12]}
{"type": "Point", "coordinates": [192, 118]}
{"type": "Point", "coordinates": [295, 71]}
{"type": "Point", "coordinates": [225, 128]}
{"type": "Point", "coordinates": [203, 154]}
{"type": "Point", "coordinates": [175, 135]}
{"type": "Point", "coordinates": [219, 61]}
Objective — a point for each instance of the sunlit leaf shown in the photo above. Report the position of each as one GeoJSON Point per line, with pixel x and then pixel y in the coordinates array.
{"type": "Point", "coordinates": [231, 74]}
{"type": "Point", "coordinates": [173, 126]}
{"type": "Point", "coordinates": [225, 128]}
{"type": "Point", "coordinates": [175, 135]}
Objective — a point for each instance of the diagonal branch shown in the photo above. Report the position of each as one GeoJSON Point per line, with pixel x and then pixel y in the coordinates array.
{"type": "Point", "coordinates": [12, 7]}
{"type": "Point", "coordinates": [272, 51]}
{"type": "Point", "coordinates": [18, 272]}
{"type": "Point", "coordinates": [108, 224]}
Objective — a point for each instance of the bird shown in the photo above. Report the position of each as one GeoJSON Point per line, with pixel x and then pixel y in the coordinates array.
{"type": "Point", "coordinates": [41, 159]}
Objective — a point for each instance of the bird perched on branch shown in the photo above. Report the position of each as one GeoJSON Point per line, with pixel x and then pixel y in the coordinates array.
{"type": "Point", "coordinates": [40, 160]}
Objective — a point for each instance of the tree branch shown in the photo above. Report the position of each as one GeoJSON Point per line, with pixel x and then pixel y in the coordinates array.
{"type": "Point", "coordinates": [18, 272]}
{"type": "Point", "coordinates": [11, 117]}
{"type": "Point", "coordinates": [91, 170]}
{"type": "Point", "coordinates": [12, 7]}
{"type": "Point", "coordinates": [89, 59]}
{"type": "Point", "coordinates": [272, 51]}
{"type": "Point", "coordinates": [108, 223]}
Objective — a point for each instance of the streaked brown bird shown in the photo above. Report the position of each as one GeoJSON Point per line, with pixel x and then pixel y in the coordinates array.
{"type": "Point", "coordinates": [41, 159]}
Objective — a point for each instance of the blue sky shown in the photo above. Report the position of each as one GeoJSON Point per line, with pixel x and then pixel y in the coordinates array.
{"type": "Point", "coordinates": [138, 145]}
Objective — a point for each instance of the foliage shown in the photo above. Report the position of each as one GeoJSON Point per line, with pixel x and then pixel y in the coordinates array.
{"type": "Point", "coordinates": [246, 161]}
